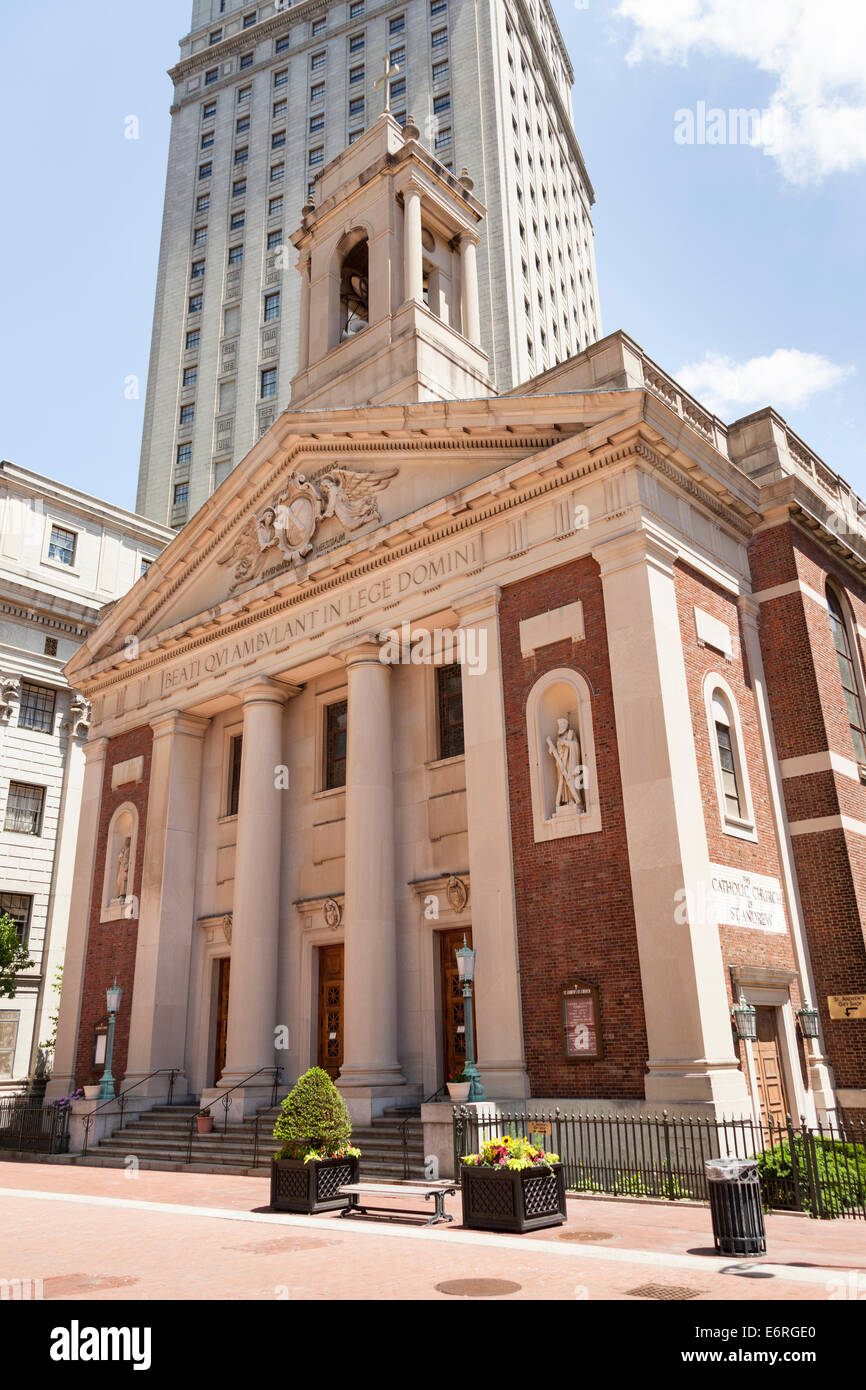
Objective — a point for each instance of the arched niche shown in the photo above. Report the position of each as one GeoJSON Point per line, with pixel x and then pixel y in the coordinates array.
{"type": "Point", "coordinates": [121, 849]}
{"type": "Point", "coordinates": [559, 714]}
{"type": "Point", "coordinates": [353, 283]}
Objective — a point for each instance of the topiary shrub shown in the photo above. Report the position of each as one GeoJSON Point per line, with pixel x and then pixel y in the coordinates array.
{"type": "Point", "coordinates": [313, 1122]}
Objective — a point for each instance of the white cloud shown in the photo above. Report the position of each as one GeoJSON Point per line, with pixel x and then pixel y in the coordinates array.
{"type": "Point", "coordinates": [813, 48]}
{"type": "Point", "coordinates": [787, 378]}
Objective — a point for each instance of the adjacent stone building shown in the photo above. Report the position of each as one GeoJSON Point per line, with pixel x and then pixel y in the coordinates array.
{"type": "Point", "coordinates": [573, 671]}
{"type": "Point", "coordinates": [64, 556]}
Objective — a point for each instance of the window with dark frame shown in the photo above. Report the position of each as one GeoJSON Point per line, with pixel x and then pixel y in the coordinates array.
{"type": "Point", "coordinates": [24, 809]}
{"type": "Point", "coordinates": [36, 710]}
{"type": "Point", "coordinates": [449, 691]}
{"type": "Point", "coordinates": [62, 545]}
{"type": "Point", "coordinates": [727, 760]}
{"type": "Point", "coordinates": [19, 907]}
{"type": "Point", "coordinates": [847, 673]}
{"type": "Point", "coordinates": [336, 724]}
{"type": "Point", "coordinates": [236, 744]}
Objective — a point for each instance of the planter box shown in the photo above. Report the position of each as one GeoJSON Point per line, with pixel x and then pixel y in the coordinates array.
{"type": "Point", "coordinates": [311, 1187]}
{"type": "Point", "coordinates": [499, 1199]}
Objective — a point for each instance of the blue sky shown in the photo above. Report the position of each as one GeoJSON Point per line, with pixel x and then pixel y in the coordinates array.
{"type": "Point", "coordinates": [751, 257]}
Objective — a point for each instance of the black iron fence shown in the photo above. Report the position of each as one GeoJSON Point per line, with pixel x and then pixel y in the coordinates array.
{"type": "Point", "coordinates": [28, 1127]}
{"type": "Point", "coordinates": [821, 1171]}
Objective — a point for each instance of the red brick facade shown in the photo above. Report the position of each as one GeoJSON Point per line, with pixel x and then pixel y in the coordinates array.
{"type": "Point", "coordinates": [575, 917]}
{"type": "Point", "coordinates": [111, 946]}
{"type": "Point", "coordinates": [809, 716]}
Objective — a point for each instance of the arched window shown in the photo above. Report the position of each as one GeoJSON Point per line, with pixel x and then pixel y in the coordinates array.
{"type": "Point", "coordinates": [354, 291]}
{"type": "Point", "coordinates": [729, 759]}
{"type": "Point", "coordinates": [848, 672]}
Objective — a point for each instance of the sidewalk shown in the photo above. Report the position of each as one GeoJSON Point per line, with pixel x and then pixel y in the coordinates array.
{"type": "Point", "coordinates": [152, 1234]}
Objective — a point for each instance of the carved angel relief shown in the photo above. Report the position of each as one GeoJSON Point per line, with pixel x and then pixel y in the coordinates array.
{"type": "Point", "coordinates": [287, 525]}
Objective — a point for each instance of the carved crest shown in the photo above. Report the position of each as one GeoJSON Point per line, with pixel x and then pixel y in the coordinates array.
{"type": "Point", "coordinates": [457, 893]}
{"type": "Point", "coordinates": [332, 913]}
{"type": "Point", "coordinates": [227, 927]}
{"type": "Point", "coordinates": [288, 523]}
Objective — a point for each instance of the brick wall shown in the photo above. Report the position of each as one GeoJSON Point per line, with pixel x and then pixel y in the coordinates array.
{"type": "Point", "coordinates": [111, 945]}
{"type": "Point", "coordinates": [809, 716]}
{"type": "Point", "coordinates": [575, 917]}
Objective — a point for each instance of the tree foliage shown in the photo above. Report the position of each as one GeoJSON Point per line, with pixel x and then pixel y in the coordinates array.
{"type": "Point", "coordinates": [14, 957]}
{"type": "Point", "coordinates": [313, 1119]}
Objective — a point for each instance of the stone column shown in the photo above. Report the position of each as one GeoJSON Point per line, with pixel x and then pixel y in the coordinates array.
{"type": "Point", "coordinates": [413, 275]}
{"type": "Point", "coordinates": [498, 1012]}
{"type": "Point", "coordinates": [691, 1051]}
{"type": "Point", "coordinates": [80, 906]}
{"type": "Point", "coordinates": [159, 996]}
{"type": "Point", "coordinates": [470, 312]}
{"type": "Point", "coordinates": [304, 326]}
{"type": "Point", "coordinates": [256, 907]}
{"type": "Point", "coordinates": [371, 1071]}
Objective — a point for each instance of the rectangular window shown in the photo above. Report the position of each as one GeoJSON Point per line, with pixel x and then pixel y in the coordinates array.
{"type": "Point", "coordinates": [62, 545]}
{"type": "Point", "coordinates": [184, 454]}
{"type": "Point", "coordinates": [36, 710]}
{"type": "Point", "coordinates": [203, 203]}
{"type": "Point", "coordinates": [181, 494]}
{"type": "Point", "coordinates": [237, 220]}
{"type": "Point", "coordinates": [250, 19]}
{"type": "Point", "coordinates": [317, 91]}
{"type": "Point", "coordinates": [400, 117]}
{"type": "Point", "coordinates": [239, 188]}
{"type": "Point", "coordinates": [205, 171]}
{"type": "Point", "coordinates": [211, 77]}
{"type": "Point", "coordinates": [190, 376]}
{"type": "Point", "coordinates": [272, 306]}
{"type": "Point", "coordinates": [269, 383]}
{"type": "Point", "coordinates": [215, 36]}
{"type": "Point", "coordinates": [236, 748]}
{"type": "Point", "coordinates": [729, 770]}
{"type": "Point", "coordinates": [443, 139]}
{"type": "Point", "coordinates": [281, 77]}
{"type": "Point", "coordinates": [397, 56]}
{"type": "Point", "coordinates": [356, 10]}
{"type": "Point", "coordinates": [284, 44]}
{"type": "Point", "coordinates": [244, 94]}
{"type": "Point", "coordinates": [398, 88]}
{"type": "Point", "coordinates": [278, 139]}
{"type": "Point", "coordinates": [246, 61]}
{"type": "Point", "coordinates": [316, 156]}
{"type": "Point", "coordinates": [275, 239]}
{"type": "Point", "coordinates": [449, 699]}
{"type": "Point", "coordinates": [356, 74]}
{"type": "Point", "coordinates": [397, 25]}
{"type": "Point", "coordinates": [199, 236]}
{"type": "Point", "coordinates": [318, 60]}
{"type": "Point", "coordinates": [442, 103]}
{"type": "Point", "coordinates": [336, 723]}
{"type": "Point", "coordinates": [195, 304]}
{"type": "Point", "coordinates": [317, 123]}
{"type": "Point", "coordinates": [438, 7]}
{"type": "Point", "coordinates": [355, 135]}
{"type": "Point", "coordinates": [24, 809]}
{"type": "Point", "coordinates": [207, 140]}
{"type": "Point", "coordinates": [187, 414]}
{"type": "Point", "coordinates": [278, 171]}
{"type": "Point", "coordinates": [275, 207]}
{"type": "Point", "coordinates": [318, 27]}
{"type": "Point", "coordinates": [438, 37]}
{"type": "Point", "coordinates": [242, 125]}
{"type": "Point", "coordinates": [242, 155]}
{"type": "Point", "coordinates": [197, 270]}
{"type": "Point", "coordinates": [356, 43]}
{"type": "Point", "coordinates": [356, 106]}
{"type": "Point", "coordinates": [193, 340]}
{"type": "Point", "coordinates": [236, 255]}
{"type": "Point", "coordinates": [441, 70]}
{"type": "Point", "coordinates": [280, 108]}
{"type": "Point", "coordinates": [208, 111]}
{"type": "Point", "coordinates": [19, 907]}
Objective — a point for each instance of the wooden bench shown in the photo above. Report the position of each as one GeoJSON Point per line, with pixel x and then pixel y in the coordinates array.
{"type": "Point", "coordinates": [437, 1190]}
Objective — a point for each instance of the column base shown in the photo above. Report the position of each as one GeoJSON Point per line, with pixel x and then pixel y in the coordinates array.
{"type": "Point", "coordinates": [153, 1090]}
{"type": "Point", "coordinates": [366, 1103]}
{"type": "Point", "coordinates": [719, 1085]}
{"type": "Point", "coordinates": [246, 1100]}
{"type": "Point", "coordinates": [508, 1080]}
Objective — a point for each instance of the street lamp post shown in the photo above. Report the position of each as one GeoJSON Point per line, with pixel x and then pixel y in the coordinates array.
{"type": "Point", "coordinates": [466, 971]}
{"type": "Point", "coordinates": [113, 996]}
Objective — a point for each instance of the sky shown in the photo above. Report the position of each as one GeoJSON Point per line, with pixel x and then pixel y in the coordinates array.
{"type": "Point", "coordinates": [735, 257]}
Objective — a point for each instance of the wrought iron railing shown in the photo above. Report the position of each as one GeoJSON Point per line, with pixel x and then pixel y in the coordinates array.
{"type": "Point", "coordinates": [820, 1171]}
{"type": "Point", "coordinates": [120, 1101]}
{"type": "Point", "coordinates": [225, 1100]}
{"type": "Point", "coordinates": [28, 1127]}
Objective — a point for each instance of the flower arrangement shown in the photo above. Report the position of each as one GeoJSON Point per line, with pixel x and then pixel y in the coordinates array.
{"type": "Point", "coordinates": [509, 1152]}
{"type": "Point", "coordinates": [457, 1078]}
{"type": "Point", "coordinates": [314, 1123]}
{"type": "Point", "coordinates": [64, 1102]}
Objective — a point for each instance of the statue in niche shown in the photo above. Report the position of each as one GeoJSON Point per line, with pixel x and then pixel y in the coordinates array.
{"type": "Point", "coordinates": [567, 756]}
{"type": "Point", "coordinates": [121, 877]}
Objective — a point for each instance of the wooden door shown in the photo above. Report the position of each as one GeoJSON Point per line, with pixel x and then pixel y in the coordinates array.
{"type": "Point", "coordinates": [453, 1021]}
{"type": "Point", "coordinates": [331, 1009]}
{"type": "Point", "coordinates": [768, 1067]}
{"type": "Point", "coordinates": [222, 1016]}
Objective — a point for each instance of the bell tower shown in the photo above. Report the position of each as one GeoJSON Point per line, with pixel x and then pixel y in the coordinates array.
{"type": "Point", "coordinates": [389, 287]}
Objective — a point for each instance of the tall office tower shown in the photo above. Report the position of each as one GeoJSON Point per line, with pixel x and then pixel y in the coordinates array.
{"type": "Point", "coordinates": [264, 97]}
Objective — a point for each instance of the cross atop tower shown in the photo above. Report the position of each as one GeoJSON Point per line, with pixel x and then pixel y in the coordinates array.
{"type": "Point", "coordinates": [389, 70]}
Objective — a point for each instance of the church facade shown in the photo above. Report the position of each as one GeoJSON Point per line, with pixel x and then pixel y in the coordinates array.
{"type": "Point", "coordinates": [572, 672]}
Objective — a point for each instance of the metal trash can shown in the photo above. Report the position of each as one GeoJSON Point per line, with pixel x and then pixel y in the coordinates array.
{"type": "Point", "coordinates": [735, 1204]}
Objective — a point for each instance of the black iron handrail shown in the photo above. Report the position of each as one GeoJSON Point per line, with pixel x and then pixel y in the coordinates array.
{"type": "Point", "coordinates": [172, 1072]}
{"type": "Point", "coordinates": [404, 1130]}
{"type": "Point", "coordinates": [225, 1101]}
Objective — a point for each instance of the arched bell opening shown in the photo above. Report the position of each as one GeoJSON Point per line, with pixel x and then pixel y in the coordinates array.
{"type": "Point", "coordinates": [355, 290]}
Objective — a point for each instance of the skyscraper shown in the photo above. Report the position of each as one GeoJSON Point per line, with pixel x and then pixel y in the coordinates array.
{"type": "Point", "coordinates": [264, 97]}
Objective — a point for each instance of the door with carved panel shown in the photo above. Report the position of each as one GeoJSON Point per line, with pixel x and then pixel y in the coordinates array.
{"type": "Point", "coordinates": [768, 1067]}
{"type": "Point", "coordinates": [224, 965]}
{"type": "Point", "coordinates": [331, 1009]}
{"type": "Point", "coordinates": [453, 1020]}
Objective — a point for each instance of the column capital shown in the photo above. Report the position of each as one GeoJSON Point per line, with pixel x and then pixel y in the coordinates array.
{"type": "Point", "coordinates": [477, 606]}
{"type": "Point", "coordinates": [467, 237]}
{"type": "Point", "coordinates": [263, 690]}
{"type": "Point", "coordinates": [640, 547]}
{"type": "Point", "coordinates": [359, 648]}
{"type": "Point", "coordinates": [175, 721]}
{"type": "Point", "coordinates": [95, 749]}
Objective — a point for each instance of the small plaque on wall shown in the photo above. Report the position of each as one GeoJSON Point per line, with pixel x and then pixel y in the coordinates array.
{"type": "Point", "coordinates": [581, 1021]}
